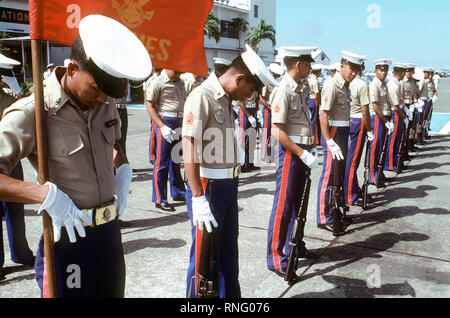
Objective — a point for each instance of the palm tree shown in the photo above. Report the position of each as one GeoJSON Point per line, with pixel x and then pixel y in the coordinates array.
{"type": "Point", "coordinates": [211, 27]}
{"type": "Point", "coordinates": [261, 32]}
{"type": "Point", "coordinates": [239, 25]}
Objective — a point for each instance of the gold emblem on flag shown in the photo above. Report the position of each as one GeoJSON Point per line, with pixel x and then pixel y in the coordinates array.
{"type": "Point", "coordinates": [131, 13]}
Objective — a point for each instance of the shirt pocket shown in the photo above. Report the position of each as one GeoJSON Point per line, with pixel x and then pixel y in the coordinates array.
{"type": "Point", "coordinates": [64, 146]}
{"type": "Point", "coordinates": [219, 115]}
{"type": "Point", "coordinates": [110, 140]}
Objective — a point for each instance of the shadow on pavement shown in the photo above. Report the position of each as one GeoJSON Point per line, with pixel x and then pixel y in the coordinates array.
{"type": "Point", "coordinates": [140, 244]}
{"type": "Point", "coordinates": [150, 223]}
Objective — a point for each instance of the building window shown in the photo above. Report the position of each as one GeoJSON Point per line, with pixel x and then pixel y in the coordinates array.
{"type": "Point", "coordinates": [255, 11]}
{"type": "Point", "coordinates": [227, 31]}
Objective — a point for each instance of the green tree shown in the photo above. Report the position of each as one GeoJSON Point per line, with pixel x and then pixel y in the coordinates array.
{"type": "Point", "coordinates": [3, 49]}
{"type": "Point", "coordinates": [261, 32]}
{"type": "Point", "coordinates": [211, 27]}
{"type": "Point", "coordinates": [239, 25]}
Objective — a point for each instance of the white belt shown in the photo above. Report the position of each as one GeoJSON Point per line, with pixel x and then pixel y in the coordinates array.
{"type": "Point", "coordinates": [225, 173]}
{"type": "Point", "coordinates": [356, 115]}
{"type": "Point", "coordinates": [171, 114]}
{"type": "Point", "coordinates": [408, 101]}
{"type": "Point", "coordinates": [303, 140]}
{"type": "Point", "coordinates": [425, 99]}
{"type": "Point", "coordinates": [339, 123]}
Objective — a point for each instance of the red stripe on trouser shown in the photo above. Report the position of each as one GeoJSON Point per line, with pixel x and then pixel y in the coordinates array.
{"type": "Point", "coordinates": [326, 179]}
{"type": "Point", "coordinates": [391, 148]}
{"type": "Point", "coordinates": [374, 147]}
{"type": "Point", "coordinates": [45, 293]}
{"type": "Point", "coordinates": [199, 237]}
{"type": "Point", "coordinates": [352, 167]}
{"type": "Point", "coordinates": [158, 159]}
{"type": "Point", "coordinates": [280, 208]}
{"type": "Point", "coordinates": [264, 143]}
{"type": "Point", "coordinates": [152, 143]}
{"type": "Point", "coordinates": [316, 114]}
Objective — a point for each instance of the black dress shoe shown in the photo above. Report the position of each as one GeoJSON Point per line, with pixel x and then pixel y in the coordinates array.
{"type": "Point", "coordinates": [245, 169]}
{"type": "Point", "coordinates": [326, 226]}
{"type": "Point", "coordinates": [180, 199]}
{"type": "Point", "coordinates": [124, 224]}
{"type": "Point", "coordinates": [2, 275]}
{"type": "Point", "coordinates": [309, 255]}
{"type": "Point", "coordinates": [253, 167]}
{"type": "Point", "coordinates": [280, 272]}
{"type": "Point", "coordinates": [381, 185]}
{"type": "Point", "coordinates": [164, 206]}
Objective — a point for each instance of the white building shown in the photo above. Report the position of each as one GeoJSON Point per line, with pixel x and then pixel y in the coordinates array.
{"type": "Point", "coordinates": [251, 10]}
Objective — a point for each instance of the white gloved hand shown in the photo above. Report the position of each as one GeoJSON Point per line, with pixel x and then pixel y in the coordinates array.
{"type": "Point", "coordinates": [201, 213]}
{"type": "Point", "coordinates": [63, 213]}
{"type": "Point", "coordinates": [407, 111]}
{"type": "Point", "coordinates": [434, 99]}
{"type": "Point", "coordinates": [309, 159]}
{"type": "Point", "coordinates": [406, 121]}
{"type": "Point", "coordinates": [11, 81]}
{"type": "Point", "coordinates": [370, 136]}
{"type": "Point", "coordinates": [252, 121]}
{"type": "Point", "coordinates": [167, 133]}
{"type": "Point", "coordinates": [122, 182]}
{"type": "Point", "coordinates": [390, 127]}
{"type": "Point", "coordinates": [335, 150]}
{"type": "Point", "coordinates": [420, 109]}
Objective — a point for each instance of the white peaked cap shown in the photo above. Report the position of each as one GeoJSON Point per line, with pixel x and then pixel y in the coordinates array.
{"type": "Point", "coordinates": [276, 68]}
{"type": "Point", "coordinates": [353, 58]}
{"type": "Point", "coordinates": [219, 60]}
{"type": "Point", "coordinates": [257, 67]}
{"type": "Point", "coordinates": [114, 48]}
{"type": "Point", "coordinates": [383, 62]}
{"type": "Point", "coordinates": [7, 63]}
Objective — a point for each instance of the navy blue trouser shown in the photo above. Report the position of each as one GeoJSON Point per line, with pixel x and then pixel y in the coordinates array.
{"type": "Point", "coordinates": [93, 266]}
{"type": "Point", "coordinates": [290, 183]}
{"type": "Point", "coordinates": [324, 210]}
{"type": "Point", "coordinates": [376, 147]}
{"type": "Point", "coordinates": [266, 143]}
{"type": "Point", "coordinates": [244, 136]}
{"type": "Point", "coordinates": [15, 226]}
{"type": "Point", "coordinates": [222, 197]}
{"type": "Point", "coordinates": [165, 167]}
{"type": "Point", "coordinates": [394, 141]}
{"type": "Point", "coordinates": [314, 111]}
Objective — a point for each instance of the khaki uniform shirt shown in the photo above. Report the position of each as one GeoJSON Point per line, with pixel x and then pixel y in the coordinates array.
{"type": "Point", "coordinates": [431, 88]}
{"type": "Point", "coordinates": [423, 89]}
{"type": "Point", "coordinates": [190, 85]}
{"type": "Point", "coordinates": [313, 86]}
{"type": "Point", "coordinates": [169, 96]}
{"type": "Point", "coordinates": [408, 90]}
{"type": "Point", "coordinates": [5, 101]}
{"type": "Point", "coordinates": [80, 146]}
{"type": "Point", "coordinates": [379, 94]}
{"type": "Point", "coordinates": [394, 91]}
{"type": "Point", "coordinates": [359, 95]}
{"type": "Point", "coordinates": [209, 119]}
{"type": "Point", "coordinates": [336, 98]}
{"type": "Point", "coordinates": [290, 107]}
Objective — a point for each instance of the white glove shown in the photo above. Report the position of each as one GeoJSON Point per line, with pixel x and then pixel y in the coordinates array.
{"type": "Point", "coordinates": [64, 212]}
{"type": "Point", "coordinates": [370, 136]}
{"type": "Point", "coordinates": [407, 111]}
{"type": "Point", "coordinates": [420, 109]}
{"type": "Point", "coordinates": [241, 155]}
{"type": "Point", "coordinates": [201, 213]}
{"type": "Point", "coordinates": [390, 127]}
{"type": "Point", "coordinates": [335, 150]}
{"type": "Point", "coordinates": [167, 133]}
{"type": "Point", "coordinates": [406, 121]}
{"type": "Point", "coordinates": [309, 159]}
{"type": "Point", "coordinates": [122, 182]}
{"type": "Point", "coordinates": [252, 121]}
{"type": "Point", "coordinates": [434, 99]}
{"type": "Point", "coordinates": [11, 81]}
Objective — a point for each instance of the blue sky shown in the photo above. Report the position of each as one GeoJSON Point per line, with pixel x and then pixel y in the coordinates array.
{"type": "Point", "coordinates": [409, 31]}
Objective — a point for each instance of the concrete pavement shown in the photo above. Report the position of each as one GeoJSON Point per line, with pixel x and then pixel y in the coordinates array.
{"type": "Point", "coordinates": [399, 248]}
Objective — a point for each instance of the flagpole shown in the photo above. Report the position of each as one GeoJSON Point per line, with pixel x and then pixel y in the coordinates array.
{"type": "Point", "coordinates": [49, 285]}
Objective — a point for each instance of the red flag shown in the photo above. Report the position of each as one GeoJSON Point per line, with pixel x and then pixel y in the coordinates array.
{"type": "Point", "coordinates": [172, 31]}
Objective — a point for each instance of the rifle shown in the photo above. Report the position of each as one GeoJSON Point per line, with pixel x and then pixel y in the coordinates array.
{"type": "Point", "coordinates": [365, 187]}
{"type": "Point", "coordinates": [428, 120]}
{"type": "Point", "coordinates": [337, 202]}
{"type": "Point", "coordinates": [382, 158]}
{"type": "Point", "coordinates": [298, 231]}
{"type": "Point", "coordinates": [412, 131]}
{"type": "Point", "coordinates": [207, 288]}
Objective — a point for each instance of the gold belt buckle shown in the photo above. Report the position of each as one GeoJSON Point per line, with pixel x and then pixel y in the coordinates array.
{"type": "Point", "coordinates": [104, 214]}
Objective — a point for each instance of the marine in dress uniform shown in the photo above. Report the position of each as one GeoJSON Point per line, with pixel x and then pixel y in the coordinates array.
{"type": "Point", "coordinates": [292, 128]}
{"type": "Point", "coordinates": [248, 109]}
{"type": "Point", "coordinates": [12, 211]}
{"type": "Point", "coordinates": [399, 118]}
{"type": "Point", "coordinates": [409, 92]}
{"type": "Point", "coordinates": [422, 109]}
{"type": "Point", "coordinates": [266, 144]}
{"type": "Point", "coordinates": [212, 189]}
{"type": "Point", "coordinates": [432, 99]}
{"type": "Point", "coordinates": [360, 128]}
{"type": "Point", "coordinates": [165, 104]}
{"type": "Point", "coordinates": [191, 83]}
{"type": "Point", "coordinates": [314, 100]}
{"type": "Point", "coordinates": [83, 130]}
{"type": "Point", "coordinates": [335, 126]}
{"type": "Point", "coordinates": [381, 113]}
{"type": "Point", "coordinates": [152, 140]}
